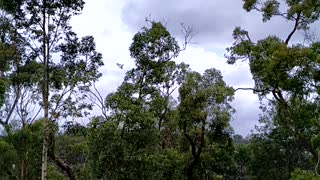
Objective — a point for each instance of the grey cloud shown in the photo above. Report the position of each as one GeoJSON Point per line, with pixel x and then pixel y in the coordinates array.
{"type": "Point", "coordinates": [212, 20]}
{"type": "Point", "coordinates": [245, 123]}
{"type": "Point", "coordinates": [247, 112]}
{"type": "Point", "coordinates": [209, 19]}
{"type": "Point", "coordinates": [241, 77]}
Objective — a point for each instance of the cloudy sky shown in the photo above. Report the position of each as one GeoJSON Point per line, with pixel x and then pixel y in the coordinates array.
{"type": "Point", "coordinates": [113, 24]}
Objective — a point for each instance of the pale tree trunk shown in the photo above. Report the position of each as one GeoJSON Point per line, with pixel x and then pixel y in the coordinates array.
{"type": "Point", "coordinates": [48, 139]}
{"type": "Point", "coordinates": [45, 98]}
{"type": "Point", "coordinates": [44, 165]}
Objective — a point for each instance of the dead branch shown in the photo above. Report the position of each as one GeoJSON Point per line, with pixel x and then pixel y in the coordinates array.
{"type": "Point", "coordinates": [97, 99]}
{"type": "Point", "coordinates": [188, 34]}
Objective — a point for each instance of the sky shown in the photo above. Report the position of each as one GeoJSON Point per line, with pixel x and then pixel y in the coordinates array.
{"type": "Point", "coordinates": [113, 23]}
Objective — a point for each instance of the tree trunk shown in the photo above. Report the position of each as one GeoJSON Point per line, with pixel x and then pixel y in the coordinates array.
{"type": "Point", "coordinates": [44, 165]}
{"type": "Point", "coordinates": [195, 157]}
{"type": "Point", "coordinates": [45, 98]}
{"type": "Point", "coordinates": [56, 160]}
{"type": "Point", "coordinates": [23, 169]}
{"type": "Point", "coordinates": [190, 168]}
{"type": "Point", "coordinates": [196, 152]}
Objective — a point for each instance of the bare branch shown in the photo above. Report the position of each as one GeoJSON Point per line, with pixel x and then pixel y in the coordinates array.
{"type": "Point", "coordinates": [188, 34]}
{"type": "Point", "coordinates": [35, 116]}
{"type": "Point", "coordinates": [13, 106]}
{"type": "Point", "coordinates": [252, 89]}
{"type": "Point", "coordinates": [54, 114]}
{"type": "Point", "coordinates": [32, 45]}
{"type": "Point", "coordinates": [172, 91]}
{"type": "Point", "coordinates": [98, 97]}
{"type": "Point", "coordinates": [310, 37]}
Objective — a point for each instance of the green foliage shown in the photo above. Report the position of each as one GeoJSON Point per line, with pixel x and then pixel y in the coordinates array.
{"type": "Point", "coordinates": [21, 152]}
{"type": "Point", "coordinates": [299, 174]}
{"type": "Point", "coordinates": [243, 158]}
{"type": "Point", "coordinates": [8, 54]}
{"type": "Point", "coordinates": [306, 10]}
{"type": "Point", "coordinates": [27, 75]}
{"type": "Point", "coordinates": [154, 44]}
{"type": "Point", "coordinates": [3, 88]}
{"type": "Point", "coordinates": [54, 174]}
{"type": "Point", "coordinates": [7, 160]}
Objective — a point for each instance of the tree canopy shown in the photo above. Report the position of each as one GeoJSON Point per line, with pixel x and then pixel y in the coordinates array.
{"type": "Point", "coordinates": [165, 120]}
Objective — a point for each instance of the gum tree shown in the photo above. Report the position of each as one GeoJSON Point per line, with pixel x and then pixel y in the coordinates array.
{"type": "Point", "coordinates": [205, 112]}
{"type": "Point", "coordinates": [65, 66]}
{"type": "Point", "coordinates": [286, 70]}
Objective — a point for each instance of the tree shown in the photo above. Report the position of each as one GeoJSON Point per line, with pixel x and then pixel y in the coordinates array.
{"type": "Point", "coordinates": [11, 55]}
{"type": "Point", "coordinates": [73, 146]}
{"type": "Point", "coordinates": [21, 153]}
{"type": "Point", "coordinates": [44, 27]}
{"type": "Point", "coordinates": [141, 112]}
{"type": "Point", "coordinates": [287, 71]}
{"type": "Point", "coordinates": [285, 152]}
{"type": "Point", "coordinates": [148, 133]}
{"type": "Point", "coordinates": [27, 144]}
{"type": "Point", "coordinates": [243, 157]}
{"type": "Point", "coordinates": [204, 113]}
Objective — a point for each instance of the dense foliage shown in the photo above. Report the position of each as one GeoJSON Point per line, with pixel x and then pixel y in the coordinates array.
{"type": "Point", "coordinates": [144, 131]}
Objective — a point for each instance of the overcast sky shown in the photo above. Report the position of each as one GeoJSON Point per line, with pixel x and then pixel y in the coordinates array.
{"type": "Point", "coordinates": [113, 24]}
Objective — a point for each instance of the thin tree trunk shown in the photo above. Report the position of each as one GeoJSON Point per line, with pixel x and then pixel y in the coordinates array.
{"type": "Point", "coordinates": [44, 165]}
{"type": "Point", "coordinates": [48, 140]}
{"type": "Point", "coordinates": [45, 97]}
{"type": "Point", "coordinates": [23, 169]}
{"type": "Point", "coordinates": [196, 152]}
{"type": "Point", "coordinates": [195, 158]}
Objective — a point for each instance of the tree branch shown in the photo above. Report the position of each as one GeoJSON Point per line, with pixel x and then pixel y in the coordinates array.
{"type": "Point", "coordinates": [187, 33]}
{"type": "Point", "coordinates": [245, 89]}
{"type": "Point", "coordinates": [63, 166]}
{"type": "Point", "coordinates": [252, 89]}
{"type": "Point", "coordinates": [97, 95]}
{"type": "Point", "coordinates": [13, 106]}
{"type": "Point", "coordinates": [56, 31]}
{"type": "Point", "coordinates": [64, 92]}
{"type": "Point", "coordinates": [294, 28]}
{"type": "Point", "coordinates": [35, 116]}
{"type": "Point", "coordinates": [193, 146]}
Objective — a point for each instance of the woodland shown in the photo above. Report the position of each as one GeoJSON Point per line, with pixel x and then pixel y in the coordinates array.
{"type": "Point", "coordinates": [48, 79]}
